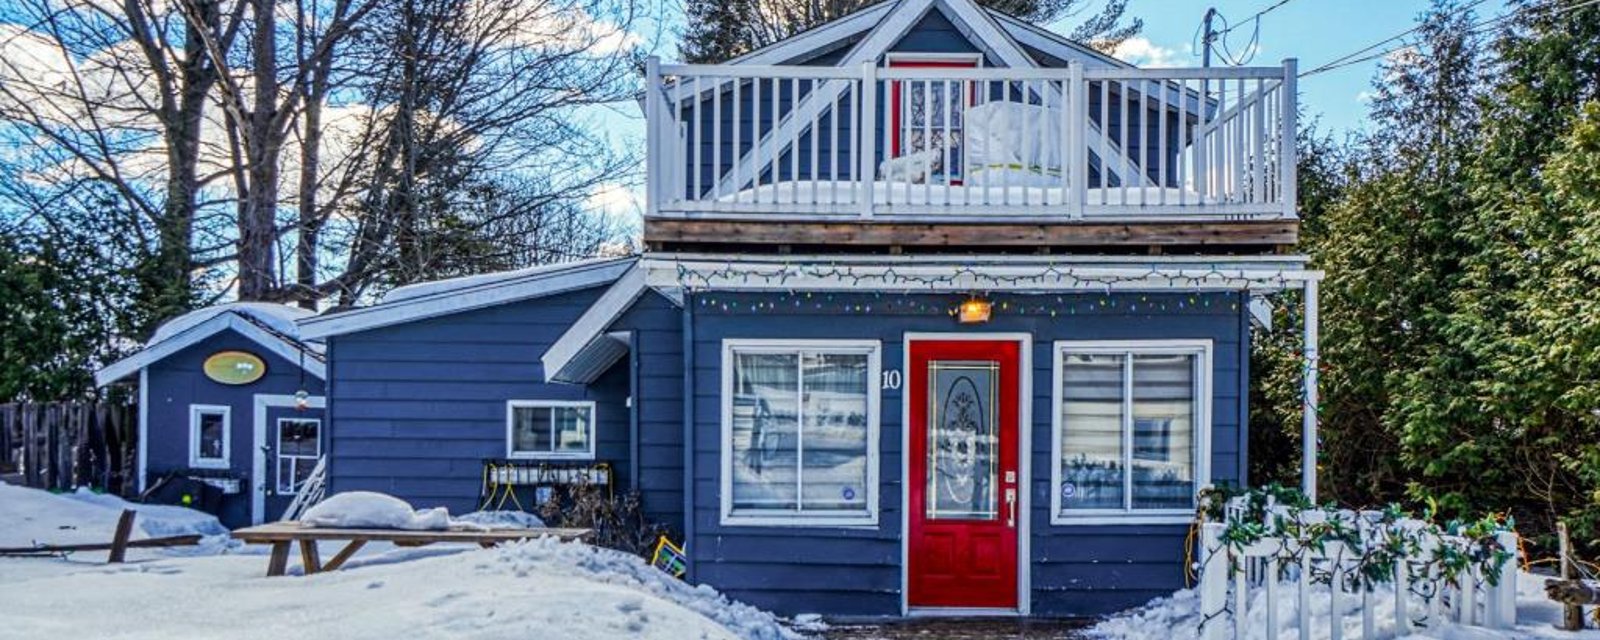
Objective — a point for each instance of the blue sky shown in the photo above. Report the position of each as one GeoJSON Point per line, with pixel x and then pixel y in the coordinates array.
{"type": "Point", "coordinates": [1314, 31]}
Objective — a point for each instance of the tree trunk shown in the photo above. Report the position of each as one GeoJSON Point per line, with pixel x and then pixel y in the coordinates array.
{"type": "Point", "coordinates": [257, 271]}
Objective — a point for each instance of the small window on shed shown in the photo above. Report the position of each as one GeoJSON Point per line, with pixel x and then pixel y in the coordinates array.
{"type": "Point", "coordinates": [208, 436]}
{"type": "Point", "coordinates": [550, 430]}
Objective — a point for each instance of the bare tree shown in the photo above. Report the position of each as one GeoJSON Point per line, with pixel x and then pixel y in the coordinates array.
{"type": "Point", "coordinates": [113, 95]}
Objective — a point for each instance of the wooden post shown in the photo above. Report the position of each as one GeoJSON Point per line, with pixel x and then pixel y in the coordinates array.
{"type": "Point", "coordinates": [1571, 614]}
{"type": "Point", "coordinates": [279, 560]}
{"type": "Point", "coordinates": [866, 150]}
{"type": "Point", "coordinates": [119, 542]}
{"type": "Point", "coordinates": [310, 560]}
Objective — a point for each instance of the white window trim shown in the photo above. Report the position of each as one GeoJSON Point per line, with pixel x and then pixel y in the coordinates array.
{"type": "Point", "coordinates": [511, 413]}
{"type": "Point", "coordinates": [1202, 437]}
{"type": "Point", "coordinates": [197, 462]}
{"type": "Point", "coordinates": [277, 451]}
{"type": "Point", "coordinates": [873, 349]}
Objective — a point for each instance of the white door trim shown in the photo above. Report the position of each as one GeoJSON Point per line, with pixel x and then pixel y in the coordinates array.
{"type": "Point", "coordinates": [258, 443]}
{"type": "Point", "coordinates": [1024, 466]}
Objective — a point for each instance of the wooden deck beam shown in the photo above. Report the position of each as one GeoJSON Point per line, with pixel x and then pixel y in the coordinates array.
{"type": "Point", "coordinates": [667, 233]}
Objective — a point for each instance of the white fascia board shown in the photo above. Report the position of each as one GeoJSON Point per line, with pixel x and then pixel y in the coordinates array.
{"type": "Point", "coordinates": [469, 297]}
{"type": "Point", "coordinates": [593, 323]}
{"type": "Point", "coordinates": [800, 45]}
{"type": "Point", "coordinates": [272, 342]}
{"type": "Point", "coordinates": [967, 276]}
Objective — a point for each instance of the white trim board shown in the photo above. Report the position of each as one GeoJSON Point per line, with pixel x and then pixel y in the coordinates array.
{"type": "Point", "coordinates": [591, 326]}
{"type": "Point", "coordinates": [258, 457]}
{"type": "Point", "coordinates": [960, 276]}
{"type": "Point", "coordinates": [873, 350]}
{"type": "Point", "coordinates": [144, 427]}
{"type": "Point", "coordinates": [1024, 342]}
{"type": "Point", "coordinates": [470, 294]}
{"type": "Point", "coordinates": [1203, 390]}
{"type": "Point", "coordinates": [282, 347]}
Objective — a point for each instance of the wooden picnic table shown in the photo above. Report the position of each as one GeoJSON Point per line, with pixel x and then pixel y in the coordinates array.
{"type": "Point", "coordinates": [281, 535]}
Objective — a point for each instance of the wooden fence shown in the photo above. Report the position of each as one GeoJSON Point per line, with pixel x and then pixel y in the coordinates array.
{"type": "Point", "coordinates": [62, 445]}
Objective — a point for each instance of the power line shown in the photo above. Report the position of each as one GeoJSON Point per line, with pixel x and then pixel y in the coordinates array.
{"type": "Point", "coordinates": [1257, 17]}
{"type": "Point", "coordinates": [1473, 29]}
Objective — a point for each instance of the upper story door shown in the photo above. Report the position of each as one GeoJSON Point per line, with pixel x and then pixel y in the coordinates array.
{"type": "Point", "coordinates": [927, 114]}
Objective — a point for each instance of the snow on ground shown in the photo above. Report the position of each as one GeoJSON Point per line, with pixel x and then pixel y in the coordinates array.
{"type": "Point", "coordinates": [1177, 617]}
{"type": "Point", "coordinates": [535, 589]}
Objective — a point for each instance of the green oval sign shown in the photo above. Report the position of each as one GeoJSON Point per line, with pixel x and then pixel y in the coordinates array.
{"type": "Point", "coordinates": [235, 367]}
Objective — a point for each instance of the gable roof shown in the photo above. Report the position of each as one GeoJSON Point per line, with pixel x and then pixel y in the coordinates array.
{"type": "Point", "coordinates": [270, 325]}
{"type": "Point", "coordinates": [444, 297]}
{"type": "Point", "coordinates": [586, 350]}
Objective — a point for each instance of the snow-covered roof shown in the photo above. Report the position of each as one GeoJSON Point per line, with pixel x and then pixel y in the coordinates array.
{"type": "Point", "coordinates": [278, 317]}
{"type": "Point", "coordinates": [431, 299]}
{"type": "Point", "coordinates": [270, 325]}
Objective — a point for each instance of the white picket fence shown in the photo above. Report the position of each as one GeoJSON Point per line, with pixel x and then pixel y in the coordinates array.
{"type": "Point", "coordinates": [1241, 588]}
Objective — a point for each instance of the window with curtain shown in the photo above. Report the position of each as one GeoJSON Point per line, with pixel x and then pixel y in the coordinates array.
{"type": "Point", "coordinates": [550, 429]}
{"type": "Point", "coordinates": [800, 433]}
{"type": "Point", "coordinates": [1130, 429]}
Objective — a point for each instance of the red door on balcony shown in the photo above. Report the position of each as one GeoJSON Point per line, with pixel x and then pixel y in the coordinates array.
{"type": "Point", "coordinates": [963, 510]}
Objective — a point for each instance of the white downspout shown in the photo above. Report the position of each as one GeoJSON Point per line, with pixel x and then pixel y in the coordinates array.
{"type": "Point", "coordinates": [1308, 428]}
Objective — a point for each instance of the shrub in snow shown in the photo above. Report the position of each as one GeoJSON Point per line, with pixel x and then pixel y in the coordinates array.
{"type": "Point", "coordinates": [372, 510]}
{"type": "Point", "coordinates": [615, 567]}
{"type": "Point", "coordinates": [618, 522]}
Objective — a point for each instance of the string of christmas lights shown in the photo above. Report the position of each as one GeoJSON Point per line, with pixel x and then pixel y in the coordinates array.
{"type": "Point", "coordinates": [957, 277]}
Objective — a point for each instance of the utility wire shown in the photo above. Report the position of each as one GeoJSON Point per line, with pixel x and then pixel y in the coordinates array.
{"type": "Point", "coordinates": [1257, 16]}
{"type": "Point", "coordinates": [1474, 29]}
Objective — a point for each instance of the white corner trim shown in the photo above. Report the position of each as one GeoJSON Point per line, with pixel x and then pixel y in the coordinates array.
{"type": "Point", "coordinates": [258, 457]}
{"type": "Point", "coordinates": [590, 438]}
{"type": "Point", "coordinates": [272, 342]}
{"type": "Point", "coordinates": [197, 462]}
{"type": "Point", "coordinates": [873, 349]}
{"type": "Point", "coordinates": [1203, 349]}
{"type": "Point", "coordinates": [1055, 44]}
{"type": "Point", "coordinates": [469, 296]}
{"type": "Point", "coordinates": [594, 322]}
{"type": "Point", "coordinates": [144, 427]}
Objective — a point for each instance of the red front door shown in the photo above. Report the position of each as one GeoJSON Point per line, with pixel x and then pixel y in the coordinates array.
{"type": "Point", "coordinates": [963, 476]}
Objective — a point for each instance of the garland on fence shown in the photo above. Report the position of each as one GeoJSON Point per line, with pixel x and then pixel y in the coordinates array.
{"type": "Point", "coordinates": [1433, 554]}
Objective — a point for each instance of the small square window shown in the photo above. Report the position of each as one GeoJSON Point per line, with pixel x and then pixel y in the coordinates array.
{"type": "Point", "coordinates": [208, 436]}
{"type": "Point", "coordinates": [299, 447]}
{"type": "Point", "coordinates": [548, 429]}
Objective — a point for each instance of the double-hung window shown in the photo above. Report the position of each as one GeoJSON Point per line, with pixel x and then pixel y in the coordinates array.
{"type": "Point", "coordinates": [800, 432]}
{"type": "Point", "coordinates": [1131, 430]}
{"type": "Point", "coordinates": [550, 430]}
{"type": "Point", "coordinates": [208, 436]}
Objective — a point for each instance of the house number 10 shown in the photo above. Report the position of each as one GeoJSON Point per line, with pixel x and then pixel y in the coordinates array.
{"type": "Point", "coordinates": [891, 379]}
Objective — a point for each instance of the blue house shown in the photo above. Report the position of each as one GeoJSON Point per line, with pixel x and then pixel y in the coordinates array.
{"type": "Point", "coordinates": [230, 396]}
{"type": "Point", "coordinates": [941, 313]}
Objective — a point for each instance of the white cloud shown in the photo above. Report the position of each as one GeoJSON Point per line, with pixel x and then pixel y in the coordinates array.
{"type": "Point", "coordinates": [615, 198]}
{"type": "Point", "coordinates": [1140, 51]}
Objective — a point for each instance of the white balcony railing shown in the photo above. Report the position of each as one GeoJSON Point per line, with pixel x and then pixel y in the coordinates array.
{"type": "Point", "coordinates": [802, 142]}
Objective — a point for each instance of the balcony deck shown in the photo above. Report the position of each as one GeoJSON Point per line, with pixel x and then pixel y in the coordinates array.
{"type": "Point", "coordinates": [1066, 158]}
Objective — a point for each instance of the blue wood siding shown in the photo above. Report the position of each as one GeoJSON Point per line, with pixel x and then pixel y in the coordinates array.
{"type": "Point", "coordinates": [1076, 570]}
{"type": "Point", "coordinates": [934, 33]}
{"type": "Point", "coordinates": [656, 325]}
{"type": "Point", "coordinates": [417, 407]}
{"type": "Point", "coordinates": [179, 380]}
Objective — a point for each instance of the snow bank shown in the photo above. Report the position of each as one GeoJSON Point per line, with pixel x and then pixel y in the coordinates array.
{"type": "Point", "coordinates": [615, 567]}
{"type": "Point", "coordinates": [30, 516]}
{"type": "Point", "coordinates": [372, 510]}
{"type": "Point", "coordinates": [1177, 617]}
